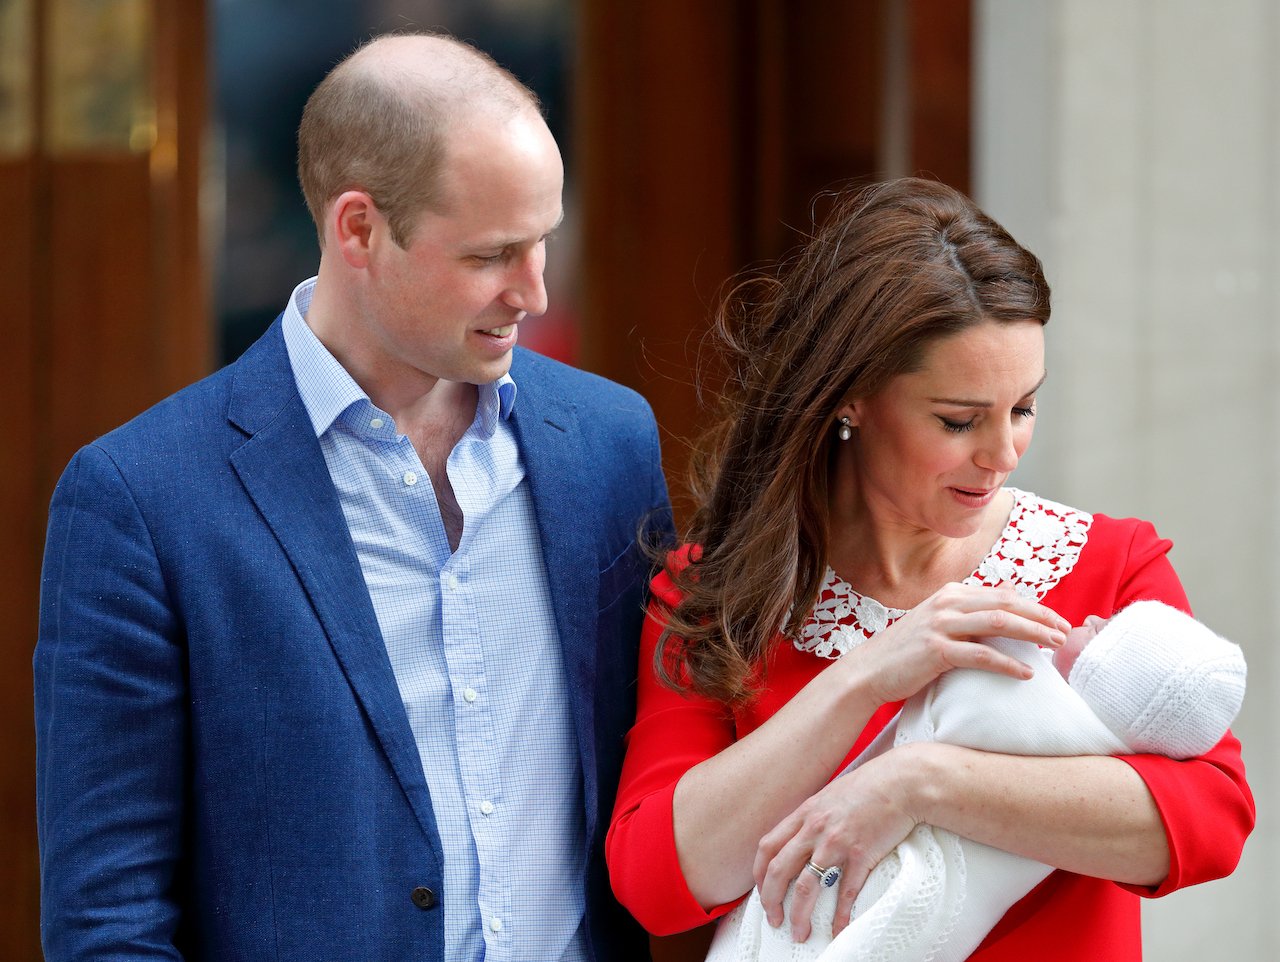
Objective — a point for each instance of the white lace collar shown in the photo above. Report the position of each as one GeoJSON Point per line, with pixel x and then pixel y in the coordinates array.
{"type": "Point", "coordinates": [1038, 547]}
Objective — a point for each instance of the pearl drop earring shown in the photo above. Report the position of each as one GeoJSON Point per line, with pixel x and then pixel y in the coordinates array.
{"type": "Point", "coordinates": [844, 432]}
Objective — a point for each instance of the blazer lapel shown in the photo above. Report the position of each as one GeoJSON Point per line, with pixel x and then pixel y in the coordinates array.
{"type": "Point", "coordinates": [546, 428]}
{"type": "Point", "coordinates": [284, 473]}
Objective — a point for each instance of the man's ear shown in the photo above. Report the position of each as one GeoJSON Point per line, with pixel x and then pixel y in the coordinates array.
{"type": "Point", "coordinates": [353, 217]}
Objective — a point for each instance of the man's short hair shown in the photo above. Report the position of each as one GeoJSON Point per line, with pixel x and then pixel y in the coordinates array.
{"type": "Point", "coordinates": [382, 129]}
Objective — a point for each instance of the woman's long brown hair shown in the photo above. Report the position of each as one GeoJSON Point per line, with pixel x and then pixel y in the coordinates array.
{"type": "Point", "coordinates": [897, 266]}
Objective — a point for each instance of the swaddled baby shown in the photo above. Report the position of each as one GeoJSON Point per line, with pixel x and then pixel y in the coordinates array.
{"type": "Point", "coordinates": [1160, 680]}
{"type": "Point", "coordinates": [1150, 680]}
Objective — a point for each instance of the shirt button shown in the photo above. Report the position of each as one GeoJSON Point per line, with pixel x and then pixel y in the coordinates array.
{"type": "Point", "coordinates": [486, 807]}
{"type": "Point", "coordinates": [410, 478]}
{"type": "Point", "coordinates": [453, 582]}
{"type": "Point", "coordinates": [470, 695]}
{"type": "Point", "coordinates": [495, 925]}
{"type": "Point", "coordinates": [423, 897]}
{"type": "Point", "coordinates": [375, 423]}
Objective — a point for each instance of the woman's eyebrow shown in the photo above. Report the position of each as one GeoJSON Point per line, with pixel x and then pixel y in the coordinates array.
{"type": "Point", "coordinates": [971, 403]}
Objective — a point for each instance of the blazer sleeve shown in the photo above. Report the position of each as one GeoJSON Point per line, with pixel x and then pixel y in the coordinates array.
{"type": "Point", "coordinates": [111, 729]}
{"type": "Point", "coordinates": [1205, 803]}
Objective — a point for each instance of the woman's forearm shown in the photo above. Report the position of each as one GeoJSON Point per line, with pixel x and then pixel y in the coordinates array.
{"type": "Point", "coordinates": [1091, 815]}
{"type": "Point", "coordinates": [723, 806]}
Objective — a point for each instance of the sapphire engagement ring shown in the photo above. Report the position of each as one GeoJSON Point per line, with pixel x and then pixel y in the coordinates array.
{"type": "Point", "coordinates": [827, 876]}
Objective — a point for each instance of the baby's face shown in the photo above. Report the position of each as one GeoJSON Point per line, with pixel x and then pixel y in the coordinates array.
{"type": "Point", "coordinates": [1092, 625]}
{"type": "Point", "coordinates": [1065, 657]}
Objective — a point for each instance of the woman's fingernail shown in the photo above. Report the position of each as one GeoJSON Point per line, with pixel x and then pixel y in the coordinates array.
{"type": "Point", "coordinates": [1057, 638]}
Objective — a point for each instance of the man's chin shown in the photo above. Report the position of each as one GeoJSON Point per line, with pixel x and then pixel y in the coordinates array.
{"type": "Point", "coordinates": [492, 370]}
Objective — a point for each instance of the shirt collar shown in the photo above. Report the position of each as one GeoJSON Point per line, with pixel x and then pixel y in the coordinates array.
{"type": "Point", "coordinates": [327, 389]}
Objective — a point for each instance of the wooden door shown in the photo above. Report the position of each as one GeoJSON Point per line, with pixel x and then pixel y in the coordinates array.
{"type": "Point", "coordinates": [102, 109]}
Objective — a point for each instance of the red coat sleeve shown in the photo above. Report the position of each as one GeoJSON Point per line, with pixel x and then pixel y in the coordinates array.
{"type": "Point", "coordinates": [673, 733]}
{"type": "Point", "coordinates": [1205, 803]}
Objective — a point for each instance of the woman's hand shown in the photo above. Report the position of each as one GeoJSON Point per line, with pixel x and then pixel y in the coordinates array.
{"type": "Point", "coordinates": [859, 818]}
{"type": "Point", "coordinates": [945, 631]}
{"type": "Point", "coordinates": [852, 823]}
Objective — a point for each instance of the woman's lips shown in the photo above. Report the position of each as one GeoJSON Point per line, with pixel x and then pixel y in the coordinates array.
{"type": "Point", "coordinates": [973, 497]}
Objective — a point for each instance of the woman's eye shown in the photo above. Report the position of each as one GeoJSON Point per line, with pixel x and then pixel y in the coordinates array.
{"type": "Point", "coordinates": [957, 427]}
{"type": "Point", "coordinates": [1027, 412]}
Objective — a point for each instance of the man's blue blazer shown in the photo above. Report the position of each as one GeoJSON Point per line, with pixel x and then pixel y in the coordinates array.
{"type": "Point", "coordinates": [225, 767]}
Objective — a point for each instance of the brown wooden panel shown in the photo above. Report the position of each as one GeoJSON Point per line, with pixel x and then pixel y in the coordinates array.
{"type": "Point", "coordinates": [20, 540]}
{"type": "Point", "coordinates": [185, 330]}
{"type": "Point", "coordinates": [940, 51]}
{"type": "Point", "coordinates": [659, 114]}
{"type": "Point", "coordinates": [102, 358]}
{"type": "Point", "coordinates": [835, 61]}
{"type": "Point", "coordinates": [23, 249]}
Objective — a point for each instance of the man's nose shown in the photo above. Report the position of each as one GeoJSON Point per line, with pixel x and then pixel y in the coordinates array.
{"type": "Point", "coordinates": [527, 290]}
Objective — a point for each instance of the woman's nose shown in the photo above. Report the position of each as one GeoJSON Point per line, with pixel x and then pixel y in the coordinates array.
{"type": "Point", "coordinates": [999, 453]}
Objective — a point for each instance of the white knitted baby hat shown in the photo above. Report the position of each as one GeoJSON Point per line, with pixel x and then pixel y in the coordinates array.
{"type": "Point", "coordinates": [1161, 681]}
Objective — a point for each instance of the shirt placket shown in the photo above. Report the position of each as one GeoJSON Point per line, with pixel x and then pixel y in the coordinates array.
{"type": "Point", "coordinates": [473, 718]}
{"type": "Point", "coordinates": [463, 665]}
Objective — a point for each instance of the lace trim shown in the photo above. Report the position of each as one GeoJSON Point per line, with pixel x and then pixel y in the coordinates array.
{"type": "Point", "coordinates": [1038, 547]}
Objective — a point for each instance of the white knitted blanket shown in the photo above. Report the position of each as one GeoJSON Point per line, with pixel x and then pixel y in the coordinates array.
{"type": "Point", "coordinates": [1155, 680]}
{"type": "Point", "coordinates": [937, 895]}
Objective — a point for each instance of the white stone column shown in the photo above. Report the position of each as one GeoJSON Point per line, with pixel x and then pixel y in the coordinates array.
{"type": "Point", "coordinates": [1135, 146]}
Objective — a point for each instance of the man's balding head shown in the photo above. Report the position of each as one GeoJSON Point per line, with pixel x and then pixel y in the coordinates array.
{"type": "Point", "coordinates": [380, 122]}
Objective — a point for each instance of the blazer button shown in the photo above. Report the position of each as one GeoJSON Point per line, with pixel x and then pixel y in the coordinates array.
{"type": "Point", "coordinates": [423, 897]}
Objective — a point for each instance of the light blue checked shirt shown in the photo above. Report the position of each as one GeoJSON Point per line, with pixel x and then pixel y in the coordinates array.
{"type": "Point", "coordinates": [476, 654]}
